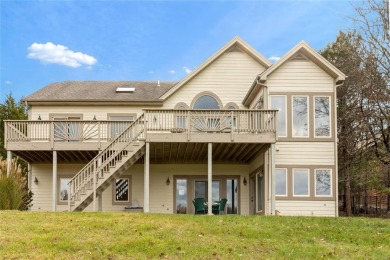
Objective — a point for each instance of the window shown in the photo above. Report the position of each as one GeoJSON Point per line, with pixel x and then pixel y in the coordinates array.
{"type": "Point", "coordinates": [323, 182]}
{"type": "Point", "coordinates": [63, 191]}
{"type": "Point", "coordinates": [301, 182]}
{"type": "Point", "coordinates": [281, 182]}
{"type": "Point", "coordinates": [181, 196]}
{"type": "Point", "coordinates": [121, 122]}
{"type": "Point", "coordinates": [206, 102]}
{"type": "Point", "coordinates": [67, 131]}
{"type": "Point", "coordinates": [121, 191]}
{"type": "Point", "coordinates": [279, 102]}
{"type": "Point", "coordinates": [231, 106]}
{"type": "Point", "coordinates": [300, 117]}
{"type": "Point", "coordinates": [203, 121]}
{"type": "Point", "coordinates": [322, 116]}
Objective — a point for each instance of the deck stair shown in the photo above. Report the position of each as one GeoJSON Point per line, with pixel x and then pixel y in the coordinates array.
{"type": "Point", "coordinates": [109, 164]}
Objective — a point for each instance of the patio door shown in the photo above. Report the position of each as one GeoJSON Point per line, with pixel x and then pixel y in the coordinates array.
{"type": "Point", "coordinates": [232, 195]}
{"type": "Point", "coordinates": [67, 131]}
{"type": "Point", "coordinates": [181, 196]}
{"type": "Point", "coordinates": [201, 190]}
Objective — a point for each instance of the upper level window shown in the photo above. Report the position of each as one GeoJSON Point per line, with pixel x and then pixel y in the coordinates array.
{"type": "Point", "coordinates": [279, 102]}
{"type": "Point", "coordinates": [120, 123]}
{"type": "Point", "coordinates": [300, 117]}
{"type": "Point", "coordinates": [322, 117]}
{"type": "Point", "coordinates": [206, 102]}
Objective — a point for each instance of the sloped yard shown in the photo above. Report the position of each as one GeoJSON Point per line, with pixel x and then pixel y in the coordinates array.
{"type": "Point", "coordinates": [140, 236]}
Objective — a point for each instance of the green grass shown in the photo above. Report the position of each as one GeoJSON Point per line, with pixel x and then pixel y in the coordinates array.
{"type": "Point", "coordinates": [139, 236]}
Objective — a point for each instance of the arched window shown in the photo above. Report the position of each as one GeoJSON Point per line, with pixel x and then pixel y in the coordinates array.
{"type": "Point", "coordinates": [206, 100]}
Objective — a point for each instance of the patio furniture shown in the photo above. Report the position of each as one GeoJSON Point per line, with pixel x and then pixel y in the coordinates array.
{"type": "Point", "coordinates": [221, 207]}
{"type": "Point", "coordinates": [200, 205]}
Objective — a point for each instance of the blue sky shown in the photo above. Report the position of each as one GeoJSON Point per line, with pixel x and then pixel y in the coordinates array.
{"type": "Point", "coordinates": [50, 41]}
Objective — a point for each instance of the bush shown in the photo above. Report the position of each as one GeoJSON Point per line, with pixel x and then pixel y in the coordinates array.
{"type": "Point", "coordinates": [14, 192]}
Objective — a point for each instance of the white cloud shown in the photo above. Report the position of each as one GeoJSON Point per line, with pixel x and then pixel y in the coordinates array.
{"type": "Point", "coordinates": [274, 58]}
{"type": "Point", "coordinates": [151, 72]}
{"type": "Point", "coordinates": [172, 71]}
{"type": "Point", "coordinates": [59, 54]}
{"type": "Point", "coordinates": [187, 70]}
{"type": "Point", "coordinates": [8, 82]}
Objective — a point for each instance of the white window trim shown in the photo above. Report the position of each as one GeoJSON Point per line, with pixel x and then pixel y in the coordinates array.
{"type": "Point", "coordinates": [285, 173]}
{"type": "Point", "coordinates": [330, 116]}
{"type": "Point", "coordinates": [308, 117]}
{"type": "Point", "coordinates": [120, 202]}
{"type": "Point", "coordinates": [285, 114]}
{"type": "Point", "coordinates": [315, 183]}
{"type": "Point", "coordinates": [308, 182]}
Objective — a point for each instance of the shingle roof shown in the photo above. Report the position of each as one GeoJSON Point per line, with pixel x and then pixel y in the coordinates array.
{"type": "Point", "coordinates": [100, 91]}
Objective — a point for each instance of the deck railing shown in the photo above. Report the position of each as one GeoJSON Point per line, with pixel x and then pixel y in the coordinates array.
{"type": "Point", "coordinates": [156, 120]}
{"type": "Point", "coordinates": [222, 121]}
{"type": "Point", "coordinates": [63, 131]}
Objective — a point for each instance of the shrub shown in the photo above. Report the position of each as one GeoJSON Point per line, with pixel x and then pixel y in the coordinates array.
{"type": "Point", "coordinates": [14, 192]}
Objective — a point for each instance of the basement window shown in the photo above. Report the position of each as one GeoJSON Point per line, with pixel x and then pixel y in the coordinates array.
{"type": "Point", "coordinates": [125, 90]}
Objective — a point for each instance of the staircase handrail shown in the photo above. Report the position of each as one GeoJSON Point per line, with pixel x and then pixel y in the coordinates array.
{"type": "Point", "coordinates": [88, 177]}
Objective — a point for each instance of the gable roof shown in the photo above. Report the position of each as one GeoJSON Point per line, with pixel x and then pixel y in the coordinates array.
{"type": "Point", "coordinates": [308, 52]}
{"type": "Point", "coordinates": [235, 42]}
{"type": "Point", "coordinates": [102, 91]}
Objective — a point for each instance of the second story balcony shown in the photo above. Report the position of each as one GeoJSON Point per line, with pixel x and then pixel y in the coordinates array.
{"type": "Point", "coordinates": [157, 125]}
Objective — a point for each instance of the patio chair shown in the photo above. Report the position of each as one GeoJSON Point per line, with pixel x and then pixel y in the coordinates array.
{"type": "Point", "coordinates": [222, 204]}
{"type": "Point", "coordinates": [200, 205]}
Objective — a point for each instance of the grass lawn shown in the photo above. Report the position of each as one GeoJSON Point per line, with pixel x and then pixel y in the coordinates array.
{"type": "Point", "coordinates": [140, 236]}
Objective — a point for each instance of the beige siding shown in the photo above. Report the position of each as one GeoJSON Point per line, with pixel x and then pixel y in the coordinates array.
{"type": "Point", "coordinates": [161, 195]}
{"type": "Point", "coordinates": [88, 112]}
{"type": "Point", "coordinates": [306, 208]}
{"type": "Point", "coordinates": [299, 76]}
{"type": "Point", "coordinates": [229, 77]}
{"type": "Point", "coordinates": [305, 153]}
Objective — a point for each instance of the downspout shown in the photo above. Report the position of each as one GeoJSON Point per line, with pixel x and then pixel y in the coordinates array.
{"type": "Point", "coordinates": [336, 149]}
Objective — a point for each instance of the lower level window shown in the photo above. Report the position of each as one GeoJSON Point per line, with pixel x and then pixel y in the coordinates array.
{"type": "Point", "coordinates": [323, 182]}
{"type": "Point", "coordinates": [64, 189]}
{"type": "Point", "coordinates": [281, 182]}
{"type": "Point", "coordinates": [301, 182]}
{"type": "Point", "coordinates": [122, 190]}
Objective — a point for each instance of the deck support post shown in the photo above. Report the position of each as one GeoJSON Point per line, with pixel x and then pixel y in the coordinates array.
{"type": "Point", "coordinates": [146, 178]}
{"type": "Point", "coordinates": [54, 195]}
{"type": "Point", "coordinates": [9, 162]}
{"type": "Point", "coordinates": [100, 202]}
{"type": "Point", "coordinates": [100, 174]}
{"type": "Point", "coordinates": [272, 175]}
{"type": "Point", "coordinates": [210, 179]}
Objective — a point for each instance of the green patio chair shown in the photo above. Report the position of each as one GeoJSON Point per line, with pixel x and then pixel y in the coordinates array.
{"type": "Point", "coordinates": [200, 205]}
{"type": "Point", "coordinates": [222, 205]}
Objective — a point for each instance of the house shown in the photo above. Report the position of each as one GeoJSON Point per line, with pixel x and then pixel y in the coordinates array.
{"type": "Point", "coordinates": [261, 135]}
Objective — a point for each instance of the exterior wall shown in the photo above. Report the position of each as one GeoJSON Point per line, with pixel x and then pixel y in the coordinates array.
{"type": "Point", "coordinates": [229, 77]}
{"type": "Point", "coordinates": [305, 153]}
{"type": "Point", "coordinates": [88, 112]}
{"type": "Point", "coordinates": [306, 208]}
{"type": "Point", "coordinates": [161, 195]}
{"type": "Point", "coordinates": [299, 76]}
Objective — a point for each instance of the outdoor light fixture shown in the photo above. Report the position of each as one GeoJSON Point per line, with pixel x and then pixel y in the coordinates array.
{"type": "Point", "coordinates": [39, 117]}
{"type": "Point", "coordinates": [168, 181]}
{"type": "Point", "coordinates": [244, 181]}
{"type": "Point", "coordinates": [94, 117]}
{"type": "Point", "coordinates": [35, 180]}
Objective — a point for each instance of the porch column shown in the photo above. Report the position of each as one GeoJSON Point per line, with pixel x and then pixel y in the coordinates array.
{"type": "Point", "coordinates": [9, 162]}
{"type": "Point", "coordinates": [272, 168]}
{"type": "Point", "coordinates": [210, 179]}
{"type": "Point", "coordinates": [54, 195]}
{"type": "Point", "coordinates": [146, 179]}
